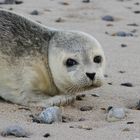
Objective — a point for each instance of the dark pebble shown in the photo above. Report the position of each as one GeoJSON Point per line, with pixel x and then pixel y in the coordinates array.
{"type": "Point", "coordinates": [47, 135]}
{"type": "Point", "coordinates": [105, 75]}
{"type": "Point", "coordinates": [10, 9]}
{"type": "Point", "coordinates": [35, 12]}
{"type": "Point", "coordinates": [130, 122]}
{"type": "Point", "coordinates": [86, 1]}
{"type": "Point", "coordinates": [108, 18]}
{"type": "Point", "coordinates": [137, 12]}
{"type": "Point", "coordinates": [66, 119]}
{"type": "Point", "coordinates": [109, 25]}
{"type": "Point", "coordinates": [81, 119]}
{"type": "Point", "coordinates": [86, 108]}
{"type": "Point", "coordinates": [109, 108]}
{"type": "Point", "coordinates": [80, 97]}
{"type": "Point", "coordinates": [95, 95]}
{"type": "Point", "coordinates": [123, 45]}
{"type": "Point", "coordinates": [18, 2]}
{"type": "Point", "coordinates": [134, 31]}
{"type": "Point", "coordinates": [138, 106]}
{"type": "Point", "coordinates": [132, 24]}
{"type": "Point", "coordinates": [123, 34]}
{"type": "Point", "coordinates": [110, 83]}
{"type": "Point", "coordinates": [127, 84]}
{"type": "Point", "coordinates": [137, 3]}
{"type": "Point", "coordinates": [64, 3]}
{"type": "Point", "coordinates": [121, 71]}
{"type": "Point", "coordinates": [59, 20]}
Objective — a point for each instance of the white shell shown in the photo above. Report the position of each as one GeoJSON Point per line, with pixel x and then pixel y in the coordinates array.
{"type": "Point", "coordinates": [116, 114]}
{"type": "Point", "coordinates": [50, 115]}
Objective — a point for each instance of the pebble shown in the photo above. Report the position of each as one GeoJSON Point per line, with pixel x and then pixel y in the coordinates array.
{"type": "Point", "coordinates": [95, 95]}
{"type": "Point", "coordinates": [47, 135]}
{"type": "Point", "coordinates": [86, 1]}
{"type": "Point", "coordinates": [105, 75]}
{"type": "Point", "coordinates": [86, 108]}
{"type": "Point", "coordinates": [50, 115]}
{"type": "Point", "coordinates": [7, 1]}
{"type": "Point", "coordinates": [81, 119]}
{"type": "Point", "coordinates": [132, 24]}
{"type": "Point", "coordinates": [34, 12]}
{"type": "Point", "coordinates": [126, 129]}
{"type": "Point", "coordinates": [137, 12]}
{"type": "Point", "coordinates": [122, 34]}
{"type": "Point", "coordinates": [123, 45]}
{"type": "Point", "coordinates": [121, 71]}
{"type": "Point", "coordinates": [59, 20]}
{"type": "Point", "coordinates": [80, 97]}
{"type": "Point", "coordinates": [16, 131]}
{"type": "Point", "coordinates": [130, 122]}
{"type": "Point", "coordinates": [81, 127]}
{"type": "Point", "coordinates": [18, 2]}
{"type": "Point", "coordinates": [64, 3]}
{"type": "Point", "coordinates": [115, 114]}
{"type": "Point", "coordinates": [108, 18]}
{"type": "Point", "coordinates": [110, 83]}
{"type": "Point", "coordinates": [127, 84]}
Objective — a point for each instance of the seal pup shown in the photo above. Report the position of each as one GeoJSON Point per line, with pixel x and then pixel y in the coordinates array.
{"type": "Point", "coordinates": [43, 66]}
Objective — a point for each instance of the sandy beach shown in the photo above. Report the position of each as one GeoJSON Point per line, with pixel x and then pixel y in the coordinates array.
{"type": "Point", "coordinates": [123, 66]}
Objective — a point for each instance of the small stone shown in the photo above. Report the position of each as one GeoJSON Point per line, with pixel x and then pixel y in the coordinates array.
{"type": "Point", "coordinates": [64, 3]}
{"type": "Point", "coordinates": [59, 20]}
{"type": "Point", "coordinates": [137, 12]}
{"type": "Point", "coordinates": [15, 130]}
{"type": "Point", "coordinates": [66, 119]}
{"type": "Point", "coordinates": [127, 84]}
{"type": "Point", "coordinates": [108, 18]}
{"type": "Point", "coordinates": [7, 1]}
{"type": "Point", "coordinates": [47, 135]}
{"type": "Point", "coordinates": [122, 34]}
{"type": "Point", "coordinates": [11, 9]}
{"type": "Point", "coordinates": [81, 119]}
{"type": "Point", "coordinates": [86, 1]}
{"type": "Point", "coordinates": [105, 75]}
{"type": "Point", "coordinates": [134, 31]}
{"type": "Point", "coordinates": [81, 127]}
{"type": "Point", "coordinates": [35, 12]}
{"type": "Point", "coordinates": [18, 2]}
{"type": "Point", "coordinates": [110, 83]}
{"type": "Point", "coordinates": [109, 25]}
{"type": "Point", "coordinates": [95, 95]}
{"type": "Point", "coordinates": [130, 122]}
{"type": "Point", "coordinates": [123, 45]}
{"type": "Point", "coordinates": [86, 108]}
{"type": "Point", "coordinates": [126, 129]}
{"type": "Point", "coordinates": [121, 71]}
{"type": "Point", "coordinates": [50, 115]}
{"type": "Point", "coordinates": [137, 3]}
{"type": "Point", "coordinates": [115, 114]}
{"type": "Point", "coordinates": [132, 24]}
{"type": "Point", "coordinates": [80, 97]}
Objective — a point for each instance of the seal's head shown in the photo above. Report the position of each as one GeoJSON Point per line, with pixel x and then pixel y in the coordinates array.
{"type": "Point", "coordinates": [76, 61]}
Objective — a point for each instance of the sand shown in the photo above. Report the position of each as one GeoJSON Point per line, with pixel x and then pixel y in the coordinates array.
{"type": "Point", "coordinates": [87, 17]}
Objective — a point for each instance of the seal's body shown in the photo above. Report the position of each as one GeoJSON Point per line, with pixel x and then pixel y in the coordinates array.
{"type": "Point", "coordinates": [44, 66]}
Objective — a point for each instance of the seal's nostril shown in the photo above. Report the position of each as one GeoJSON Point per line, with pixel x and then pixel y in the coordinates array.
{"type": "Point", "coordinates": [91, 76]}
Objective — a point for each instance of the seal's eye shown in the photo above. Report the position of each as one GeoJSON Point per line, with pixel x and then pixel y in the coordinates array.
{"type": "Point", "coordinates": [71, 62]}
{"type": "Point", "coordinates": [98, 59]}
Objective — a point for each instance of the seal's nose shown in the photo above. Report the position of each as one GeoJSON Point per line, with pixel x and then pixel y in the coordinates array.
{"type": "Point", "coordinates": [91, 76]}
